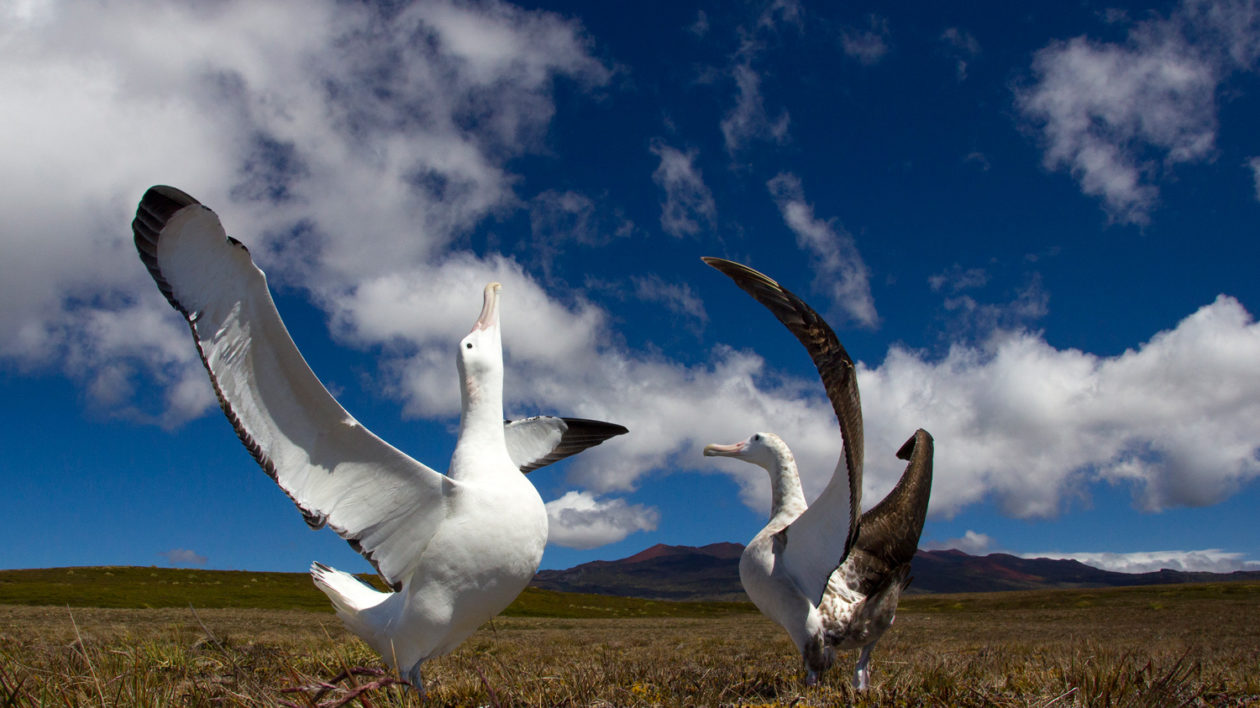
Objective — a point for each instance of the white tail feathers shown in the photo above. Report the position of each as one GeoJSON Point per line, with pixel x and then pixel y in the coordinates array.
{"type": "Point", "coordinates": [348, 594]}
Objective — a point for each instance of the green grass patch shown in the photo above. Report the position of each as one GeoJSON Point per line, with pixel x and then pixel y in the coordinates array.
{"type": "Point", "coordinates": [151, 588]}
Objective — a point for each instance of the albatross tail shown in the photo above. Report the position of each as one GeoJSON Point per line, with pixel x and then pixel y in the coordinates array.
{"type": "Point", "coordinates": [349, 595]}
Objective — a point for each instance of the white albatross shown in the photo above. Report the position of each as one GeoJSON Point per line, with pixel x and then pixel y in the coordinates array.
{"type": "Point", "coordinates": [828, 576]}
{"type": "Point", "coordinates": [456, 548]}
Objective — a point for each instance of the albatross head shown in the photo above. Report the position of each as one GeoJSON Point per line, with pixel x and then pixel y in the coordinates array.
{"type": "Point", "coordinates": [763, 449]}
{"type": "Point", "coordinates": [481, 351]}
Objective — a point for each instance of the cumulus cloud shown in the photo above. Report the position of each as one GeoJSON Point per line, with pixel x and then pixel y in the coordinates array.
{"type": "Point", "coordinates": [688, 204]}
{"type": "Point", "coordinates": [1118, 116]}
{"type": "Point", "coordinates": [835, 256]}
{"type": "Point", "coordinates": [971, 542]}
{"type": "Point", "coordinates": [183, 556]}
{"type": "Point", "coordinates": [1027, 424]}
{"type": "Point", "coordinates": [580, 520]}
{"type": "Point", "coordinates": [867, 45]}
{"type": "Point", "coordinates": [1210, 560]}
{"type": "Point", "coordinates": [270, 113]}
{"type": "Point", "coordinates": [266, 113]}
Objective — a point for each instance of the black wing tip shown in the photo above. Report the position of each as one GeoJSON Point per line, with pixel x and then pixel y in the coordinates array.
{"type": "Point", "coordinates": [157, 206]}
{"type": "Point", "coordinates": [604, 428]}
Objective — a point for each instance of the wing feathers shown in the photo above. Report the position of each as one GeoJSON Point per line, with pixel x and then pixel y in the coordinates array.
{"type": "Point", "coordinates": [823, 535]}
{"type": "Point", "coordinates": [541, 440]}
{"type": "Point", "coordinates": [384, 503]}
{"type": "Point", "coordinates": [890, 530]}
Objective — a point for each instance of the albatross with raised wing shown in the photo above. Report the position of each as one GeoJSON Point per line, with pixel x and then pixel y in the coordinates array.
{"type": "Point", "coordinates": [456, 548]}
{"type": "Point", "coordinates": [826, 573]}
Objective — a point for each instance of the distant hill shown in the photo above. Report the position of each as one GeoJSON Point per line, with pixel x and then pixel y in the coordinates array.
{"type": "Point", "coordinates": [712, 573]}
{"type": "Point", "coordinates": [657, 573]}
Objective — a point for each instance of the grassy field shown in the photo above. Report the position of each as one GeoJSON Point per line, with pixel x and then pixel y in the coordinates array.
{"type": "Point", "coordinates": [1156, 646]}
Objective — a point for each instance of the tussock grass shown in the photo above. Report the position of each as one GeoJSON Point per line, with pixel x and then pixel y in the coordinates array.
{"type": "Point", "coordinates": [1164, 646]}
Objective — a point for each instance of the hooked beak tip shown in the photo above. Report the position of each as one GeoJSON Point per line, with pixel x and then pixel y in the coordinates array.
{"type": "Point", "coordinates": [722, 450]}
{"type": "Point", "coordinates": [490, 307]}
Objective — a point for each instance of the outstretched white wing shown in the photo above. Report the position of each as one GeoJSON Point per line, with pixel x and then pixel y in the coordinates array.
{"type": "Point", "coordinates": [386, 504]}
{"type": "Point", "coordinates": [541, 440]}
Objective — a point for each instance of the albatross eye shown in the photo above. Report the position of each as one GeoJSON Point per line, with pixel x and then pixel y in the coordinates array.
{"type": "Point", "coordinates": [756, 438]}
{"type": "Point", "coordinates": [468, 345]}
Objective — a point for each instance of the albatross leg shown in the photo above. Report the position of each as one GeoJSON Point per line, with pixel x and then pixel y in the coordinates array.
{"type": "Point", "coordinates": [862, 674]}
{"type": "Point", "coordinates": [416, 679]}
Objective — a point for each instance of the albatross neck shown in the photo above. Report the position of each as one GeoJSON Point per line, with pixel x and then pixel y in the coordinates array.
{"type": "Point", "coordinates": [787, 498]}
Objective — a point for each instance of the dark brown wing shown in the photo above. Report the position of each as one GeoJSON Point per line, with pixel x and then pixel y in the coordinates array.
{"type": "Point", "coordinates": [890, 530]}
{"type": "Point", "coordinates": [834, 366]}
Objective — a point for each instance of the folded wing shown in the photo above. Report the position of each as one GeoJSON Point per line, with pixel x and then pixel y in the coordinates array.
{"type": "Point", "coordinates": [820, 538]}
{"type": "Point", "coordinates": [541, 440]}
{"type": "Point", "coordinates": [386, 504]}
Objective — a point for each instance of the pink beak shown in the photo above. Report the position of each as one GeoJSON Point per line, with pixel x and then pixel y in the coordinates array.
{"type": "Point", "coordinates": [489, 308]}
{"type": "Point", "coordinates": [731, 450]}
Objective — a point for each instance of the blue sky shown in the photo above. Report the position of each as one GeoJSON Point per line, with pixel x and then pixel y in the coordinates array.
{"type": "Point", "coordinates": [1033, 224]}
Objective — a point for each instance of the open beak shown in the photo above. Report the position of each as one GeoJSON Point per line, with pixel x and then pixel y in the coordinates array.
{"type": "Point", "coordinates": [489, 308]}
{"type": "Point", "coordinates": [732, 450]}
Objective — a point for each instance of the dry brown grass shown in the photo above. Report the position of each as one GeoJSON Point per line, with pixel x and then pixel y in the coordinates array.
{"type": "Point", "coordinates": [1157, 647]}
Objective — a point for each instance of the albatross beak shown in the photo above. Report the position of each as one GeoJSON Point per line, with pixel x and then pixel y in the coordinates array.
{"type": "Point", "coordinates": [489, 308]}
{"type": "Point", "coordinates": [731, 450]}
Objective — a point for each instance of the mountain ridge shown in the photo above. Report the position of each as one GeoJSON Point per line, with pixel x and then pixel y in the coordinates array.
{"type": "Point", "coordinates": [711, 572]}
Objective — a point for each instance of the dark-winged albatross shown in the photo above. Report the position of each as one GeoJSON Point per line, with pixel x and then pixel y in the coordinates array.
{"type": "Point", "coordinates": [456, 548]}
{"type": "Point", "coordinates": [830, 577]}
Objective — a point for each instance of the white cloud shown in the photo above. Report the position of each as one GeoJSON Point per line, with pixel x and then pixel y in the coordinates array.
{"type": "Point", "coordinates": [835, 256]}
{"type": "Point", "coordinates": [688, 202]}
{"type": "Point", "coordinates": [971, 318]}
{"type": "Point", "coordinates": [183, 556]}
{"type": "Point", "coordinates": [869, 45]}
{"type": "Point", "coordinates": [1028, 425]}
{"type": "Point", "coordinates": [579, 520]}
{"type": "Point", "coordinates": [676, 297]}
{"type": "Point", "coordinates": [1210, 560]}
{"type": "Point", "coordinates": [747, 119]}
{"type": "Point", "coordinates": [971, 542]}
{"type": "Point", "coordinates": [268, 113]}
{"type": "Point", "coordinates": [1119, 116]}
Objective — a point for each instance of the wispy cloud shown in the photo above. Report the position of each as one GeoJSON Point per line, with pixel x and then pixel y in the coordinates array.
{"type": "Point", "coordinates": [963, 47]}
{"type": "Point", "coordinates": [867, 45]}
{"type": "Point", "coordinates": [956, 279]}
{"type": "Point", "coordinates": [688, 205]}
{"type": "Point", "coordinates": [834, 254]}
{"type": "Point", "coordinates": [748, 118]}
{"type": "Point", "coordinates": [183, 556]}
{"type": "Point", "coordinates": [580, 520]}
{"type": "Point", "coordinates": [678, 298]}
{"type": "Point", "coordinates": [1119, 116]}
